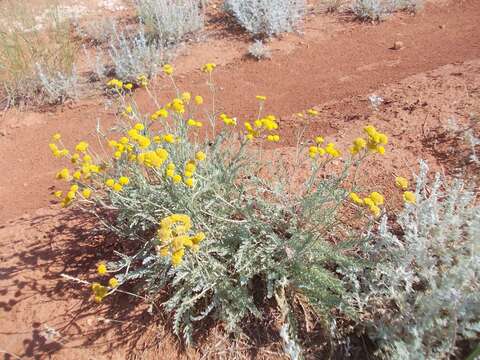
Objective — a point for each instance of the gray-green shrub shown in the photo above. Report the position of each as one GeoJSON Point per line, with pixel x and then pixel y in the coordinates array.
{"type": "Point", "coordinates": [267, 17]}
{"type": "Point", "coordinates": [259, 50]}
{"type": "Point", "coordinates": [36, 65]}
{"type": "Point", "coordinates": [421, 299]}
{"type": "Point", "coordinates": [169, 21]}
{"type": "Point", "coordinates": [378, 10]}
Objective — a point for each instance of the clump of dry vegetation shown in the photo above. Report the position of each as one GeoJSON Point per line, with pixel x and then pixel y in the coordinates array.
{"type": "Point", "coordinates": [37, 61]}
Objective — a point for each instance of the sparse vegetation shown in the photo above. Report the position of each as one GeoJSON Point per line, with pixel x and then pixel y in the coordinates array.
{"type": "Point", "coordinates": [259, 50]}
{"type": "Point", "coordinates": [264, 18]}
{"type": "Point", "coordinates": [420, 300]}
{"type": "Point", "coordinates": [378, 10]}
{"type": "Point", "coordinates": [167, 22]}
{"type": "Point", "coordinates": [36, 65]}
{"type": "Point", "coordinates": [330, 6]}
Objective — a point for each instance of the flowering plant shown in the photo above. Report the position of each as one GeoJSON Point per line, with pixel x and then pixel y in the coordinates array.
{"type": "Point", "coordinates": [192, 194]}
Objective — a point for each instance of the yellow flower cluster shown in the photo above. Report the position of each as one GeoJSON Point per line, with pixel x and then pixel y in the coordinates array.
{"type": "Point", "coordinates": [228, 120]}
{"type": "Point", "coordinates": [174, 237]}
{"type": "Point", "coordinates": [208, 68]}
{"type": "Point", "coordinates": [194, 123]}
{"type": "Point", "coordinates": [168, 69]}
{"type": "Point", "coordinates": [117, 186]}
{"type": "Point", "coordinates": [100, 291]}
{"type": "Point", "coordinates": [408, 196]}
{"type": "Point", "coordinates": [372, 202]}
{"type": "Point", "coordinates": [115, 83]}
{"type": "Point", "coordinates": [318, 150]}
{"type": "Point", "coordinates": [153, 159]}
{"type": "Point", "coordinates": [177, 105]}
{"type": "Point", "coordinates": [375, 141]}
{"type": "Point", "coordinates": [267, 124]}
{"type": "Point", "coordinates": [189, 170]}
{"type": "Point", "coordinates": [119, 85]}
{"type": "Point", "coordinates": [57, 152]}
{"type": "Point", "coordinates": [160, 113]}
{"type": "Point", "coordinates": [84, 168]}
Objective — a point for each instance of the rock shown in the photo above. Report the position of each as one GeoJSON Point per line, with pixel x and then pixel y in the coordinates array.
{"type": "Point", "coordinates": [398, 45]}
{"type": "Point", "coordinates": [442, 26]}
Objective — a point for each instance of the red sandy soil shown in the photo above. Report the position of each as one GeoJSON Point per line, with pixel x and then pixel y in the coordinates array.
{"type": "Point", "coordinates": [436, 76]}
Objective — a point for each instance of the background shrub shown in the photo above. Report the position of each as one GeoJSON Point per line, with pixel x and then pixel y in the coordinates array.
{"type": "Point", "coordinates": [420, 300]}
{"type": "Point", "coordinates": [127, 57]}
{"type": "Point", "coordinates": [169, 21]}
{"type": "Point", "coordinates": [378, 10]}
{"type": "Point", "coordinates": [36, 64]}
{"type": "Point", "coordinates": [267, 17]}
{"type": "Point", "coordinates": [259, 50]}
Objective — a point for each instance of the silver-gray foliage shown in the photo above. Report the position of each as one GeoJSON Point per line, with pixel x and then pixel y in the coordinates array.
{"type": "Point", "coordinates": [422, 297]}
{"type": "Point", "coordinates": [56, 87]}
{"type": "Point", "coordinates": [259, 50]}
{"type": "Point", "coordinates": [262, 243]}
{"type": "Point", "coordinates": [378, 10]}
{"type": "Point", "coordinates": [169, 21]}
{"type": "Point", "coordinates": [128, 57]}
{"type": "Point", "coordinates": [267, 17]}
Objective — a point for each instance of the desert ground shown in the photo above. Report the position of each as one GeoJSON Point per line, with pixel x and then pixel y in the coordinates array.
{"type": "Point", "coordinates": [332, 64]}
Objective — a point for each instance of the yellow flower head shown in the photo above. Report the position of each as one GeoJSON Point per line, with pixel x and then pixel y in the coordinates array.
{"type": "Point", "coordinates": [82, 146]}
{"type": "Point", "coordinates": [63, 174]}
{"type": "Point", "coordinates": [200, 156]}
{"type": "Point", "coordinates": [115, 83]}
{"type": "Point", "coordinates": [186, 97]}
{"type": "Point", "coordinates": [86, 193]}
{"type": "Point", "coordinates": [312, 112]}
{"type": "Point", "coordinates": [189, 181]}
{"type": "Point", "coordinates": [355, 198]}
{"type": "Point", "coordinates": [123, 180]}
{"type": "Point", "coordinates": [375, 210]}
{"type": "Point", "coordinates": [168, 69]}
{"type": "Point", "coordinates": [190, 166]}
{"type": "Point", "coordinates": [409, 197]}
{"type": "Point", "coordinates": [330, 149]}
{"type": "Point", "coordinates": [401, 183]}
{"type": "Point", "coordinates": [208, 68]}
{"type": "Point", "coordinates": [198, 100]}
{"type": "Point", "coordinates": [102, 269]}
{"type": "Point", "coordinates": [128, 86]}
{"type": "Point", "coordinates": [199, 237]}
{"type": "Point", "coordinates": [117, 187]}
{"type": "Point", "coordinates": [139, 127]}
{"type": "Point", "coordinates": [360, 143]}
{"type": "Point", "coordinates": [377, 198]}
{"type": "Point", "coordinates": [368, 202]}
{"type": "Point", "coordinates": [110, 183]}
{"type": "Point", "coordinates": [176, 178]}
{"type": "Point", "coordinates": [56, 136]}
{"type": "Point", "coordinates": [113, 282]}
{"type": "Point", "coordinates": [261, 98]}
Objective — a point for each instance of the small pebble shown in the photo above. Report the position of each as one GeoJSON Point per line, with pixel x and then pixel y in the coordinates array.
{"type": "Point", "coordinates": [398, 45]}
